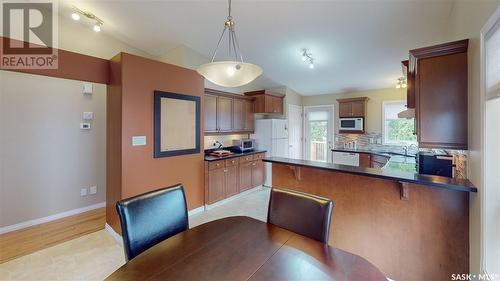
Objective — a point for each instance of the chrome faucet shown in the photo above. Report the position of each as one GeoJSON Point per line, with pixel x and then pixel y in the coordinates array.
{"type": "Point", "coordinates": [407, 147]}
{"type": "Point", "coordinates": [218, 143]}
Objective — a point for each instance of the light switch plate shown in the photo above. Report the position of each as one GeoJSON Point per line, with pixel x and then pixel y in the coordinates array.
{"type": "Point", "coordinates": [87, 88]}
{"type": "Point", "coordinates": [83, 191]}
{"type": "Point", "coordinates": [93, 189]}
{"type": "Point", "coordinates": [88, 115]}
{"type": "Point", "coordinates": [84, 126]}
{"type": "Point", "coordinates": [138, 140]}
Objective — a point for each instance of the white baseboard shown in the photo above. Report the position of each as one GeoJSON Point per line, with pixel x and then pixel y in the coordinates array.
{"type": "Point", "coordinates": [117, 237]}
{"type": "Point", "coordinates": [54, 217]}
{"type": "Point", "coordinates": [196, 211]}
{"type": "Point", "coordinates": [222, 202]}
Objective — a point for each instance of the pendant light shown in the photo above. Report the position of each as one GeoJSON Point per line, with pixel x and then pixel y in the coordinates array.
{"type": "Point", "coordinates": [230, 73]}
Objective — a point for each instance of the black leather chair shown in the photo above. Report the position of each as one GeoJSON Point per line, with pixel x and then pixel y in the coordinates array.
{"type": "Point", "coordinates": [152, 217]}
{"type": "Point", "coordinates": [301, 213]}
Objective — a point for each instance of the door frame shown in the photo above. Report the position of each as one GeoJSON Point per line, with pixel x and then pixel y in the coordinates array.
{"type": "Point", "coordinates": [305, 152]}
{"type": "Point", "coordinates": [488, 26]}
{"type": "Point", "coordinates": [301, 128]}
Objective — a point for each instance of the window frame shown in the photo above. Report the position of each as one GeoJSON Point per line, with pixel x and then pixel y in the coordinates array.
{"type": "Point", "coordinates": [384, 141]}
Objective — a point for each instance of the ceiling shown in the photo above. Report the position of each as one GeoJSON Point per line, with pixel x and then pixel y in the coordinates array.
{"type": "Point", "coordinates": [357, 45]}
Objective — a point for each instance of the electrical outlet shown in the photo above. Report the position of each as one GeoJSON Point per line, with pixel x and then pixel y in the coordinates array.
{"type": "Point", "coordinates": [93, 189]}
{"type": "Point", "coordinates": [83, 191]}
{"type": "Point", "coordinates": [88, 115]}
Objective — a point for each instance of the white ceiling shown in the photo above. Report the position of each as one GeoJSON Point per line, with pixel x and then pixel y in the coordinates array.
{"type": "Point", "coordinates": [357, 45]}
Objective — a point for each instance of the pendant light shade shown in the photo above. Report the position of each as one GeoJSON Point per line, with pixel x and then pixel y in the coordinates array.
{"type": "Point", "coordinates": [230, 73]}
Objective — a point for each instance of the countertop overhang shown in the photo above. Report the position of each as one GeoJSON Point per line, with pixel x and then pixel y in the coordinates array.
{"type": "Point", "coordinates": [415, 178]}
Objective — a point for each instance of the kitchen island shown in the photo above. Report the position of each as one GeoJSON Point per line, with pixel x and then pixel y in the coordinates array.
{"type": "Point", "coordinates": [411, 226]}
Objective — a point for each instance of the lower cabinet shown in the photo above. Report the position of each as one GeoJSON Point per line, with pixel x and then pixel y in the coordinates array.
{"type": "Point", "coordinates": [226, 178]}
{"type": "Point", "coordinates": [246, 176]}
{"type": "Point", "coordinates": [257, 173]}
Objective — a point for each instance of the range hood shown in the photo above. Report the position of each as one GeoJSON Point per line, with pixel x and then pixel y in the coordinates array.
{"type": "Point", "coordinates": [407, 114]}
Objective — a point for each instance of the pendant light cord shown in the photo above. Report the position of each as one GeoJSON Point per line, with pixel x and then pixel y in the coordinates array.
{"type": "Point", "coordinates": [233, 41]}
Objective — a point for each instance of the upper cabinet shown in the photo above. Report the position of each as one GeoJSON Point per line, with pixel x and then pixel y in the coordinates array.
{"type": "Point", "coordinates": [352, 107]}
{"type": "Point", "coordinates": [227, 113]}
{"type": "Point", "coordinates": [267, 102]}
{"type": "Point", "coordinates": [440, 94]}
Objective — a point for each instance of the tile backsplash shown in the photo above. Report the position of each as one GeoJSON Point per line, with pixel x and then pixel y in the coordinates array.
{"type": "Point", "coordinates": [373, 141]}
{"type": "Point", "coordinates": [226, 140]}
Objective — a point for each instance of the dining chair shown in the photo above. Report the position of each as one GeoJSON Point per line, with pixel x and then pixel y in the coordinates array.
{"type": "Point", "coordinates": [152, 217]}
{"type": "Point", "coordinates": [302, 213]}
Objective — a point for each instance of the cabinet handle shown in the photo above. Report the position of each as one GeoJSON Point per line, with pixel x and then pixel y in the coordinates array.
{"type": "Point", "coordinates": [225, 170]}
{"type": "Point", "coordinates": [253, 164]}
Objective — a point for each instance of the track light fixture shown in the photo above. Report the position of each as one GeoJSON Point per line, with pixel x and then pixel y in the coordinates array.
{"type": "Point", "coordinates": [77, 13]}
{"type": "Point", "coordinates": [307, 57]}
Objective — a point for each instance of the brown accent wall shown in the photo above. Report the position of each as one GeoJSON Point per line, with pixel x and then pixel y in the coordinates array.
{"type": "Point", "coordinates": [72, 66]}
{"type": "Point", "coordinates": [137, 78]}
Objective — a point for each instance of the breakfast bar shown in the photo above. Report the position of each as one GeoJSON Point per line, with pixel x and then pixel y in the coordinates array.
{"type": "Point", "coordinates": [411, 226]}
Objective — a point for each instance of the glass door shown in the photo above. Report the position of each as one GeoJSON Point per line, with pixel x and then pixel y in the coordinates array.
{"type": "Point", "coordinates": [318, 125]}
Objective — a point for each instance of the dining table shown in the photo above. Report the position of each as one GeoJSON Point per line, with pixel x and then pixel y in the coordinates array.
{"type": "Point", "coordinates": [243, 248]}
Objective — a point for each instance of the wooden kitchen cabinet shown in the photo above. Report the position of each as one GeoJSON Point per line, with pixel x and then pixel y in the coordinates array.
{"type": "Point", "coordinates": [257, 173]}
{"type": "Point", "coordinates": [249, 116]}
{"type": "Point", "coordinates": [216, 182]}
{"type": "Point", "coordinates": [267, 102]}
{"type": "Point", "coordinates": [239, 115]}
{"type": "Point", "coordinates": [245, 176]}
{"type": "Point", "coordinates": [224, 114]}
{"type": "Point", "coordinates": [441, 95]}
{"type": "Point", "coordinates": [227, 113]}
{"type": "Point", "coordinates": [231, 184]}
{"type": "Point", "coordinates": [365, 160]}
{"type": "Point", "coordinates": [210, 119]}
{"type": "Point", "coordinates": [229, 177]}
{"type": "Point", "coordinates": [352, 107]}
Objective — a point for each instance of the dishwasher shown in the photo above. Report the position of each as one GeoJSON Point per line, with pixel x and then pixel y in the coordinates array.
{"type": "Point", "coordinates": [346, 158]}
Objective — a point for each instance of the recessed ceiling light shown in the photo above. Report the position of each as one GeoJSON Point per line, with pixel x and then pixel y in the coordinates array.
{"type": "Point", "coordinates": [75, 16]}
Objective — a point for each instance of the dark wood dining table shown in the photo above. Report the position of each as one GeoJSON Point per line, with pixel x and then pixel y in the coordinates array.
{"type": "Point", "coordinates": [243, 248]}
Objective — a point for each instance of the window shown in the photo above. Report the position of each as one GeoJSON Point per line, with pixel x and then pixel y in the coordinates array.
{"type": "Point", "coordinates": [397, 131]}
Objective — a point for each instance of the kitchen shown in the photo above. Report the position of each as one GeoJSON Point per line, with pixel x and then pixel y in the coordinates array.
{"type": "Point", "coordinates": [400, 171]}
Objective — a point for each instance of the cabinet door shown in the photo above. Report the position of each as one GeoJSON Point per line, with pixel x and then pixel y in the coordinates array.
{"type": "Point", "coordinates": [224, 113]}
{"type": "Point", "coordinates": [238, 115]}
{"type": "Point", "coordinates": [442, 102]}
{"type": "Point", "coordinates": [246, 176]}
{"type": "Point", "coordinates": [345, 109]}
{"type": "Point", "coordinates": [249, 116]}
{"type": "Point", "coordinates": [358, 109]}
{"type": "Point", "coordinates": [210, 117]}
{"type": "Point", "coordinates": [257, 173]}
{"type": "Point", "coordinates": [231, 183]}
{"type": "Point", "coordinates": [278, 105]}
{"type": "Point", "coordinates": [216, 179]}
{"type": "Point", "coordinates": [365, 160]}
{"type": "Point", "coordinates": [268, 104]}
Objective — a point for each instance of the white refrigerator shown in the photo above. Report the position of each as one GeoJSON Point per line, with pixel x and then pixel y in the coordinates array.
{"type": "Point", "coordinates": [271, 135]}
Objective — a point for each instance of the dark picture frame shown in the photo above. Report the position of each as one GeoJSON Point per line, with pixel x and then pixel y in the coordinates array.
{"type": "Point", "coordinates": [158, 152]}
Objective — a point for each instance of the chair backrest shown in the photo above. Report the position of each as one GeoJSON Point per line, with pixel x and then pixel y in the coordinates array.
{"type": "Point", "coordinates": [301, 213]}
{"type": "Point", "coordinates": [152, 217]}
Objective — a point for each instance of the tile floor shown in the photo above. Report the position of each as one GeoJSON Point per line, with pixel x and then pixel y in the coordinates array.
{"type": "Point", "coordinates": [97, 255]}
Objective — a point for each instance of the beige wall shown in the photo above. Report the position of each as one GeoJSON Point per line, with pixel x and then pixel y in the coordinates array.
{"type": "Point", "coordinates": [45, 158]}
{"type": "Point", "coordinates": [374, 106]}
{"type": "Point", "coordinates": [466, 20]}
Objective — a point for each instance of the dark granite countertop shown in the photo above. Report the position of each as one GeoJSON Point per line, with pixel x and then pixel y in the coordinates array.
{"type": "Point", "coordinates": [237, 154]}
{"type": "Point", "coordinates": [389, 174]}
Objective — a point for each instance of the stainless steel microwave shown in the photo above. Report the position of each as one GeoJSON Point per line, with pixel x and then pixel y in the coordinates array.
{"type": "Point", "coordinates": [243, 145]}
{"type": "Point", "coordinates": [351, 124]}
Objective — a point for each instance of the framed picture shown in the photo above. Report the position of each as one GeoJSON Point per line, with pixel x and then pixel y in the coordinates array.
{"type": "Point", "coordinates": [176, 124]}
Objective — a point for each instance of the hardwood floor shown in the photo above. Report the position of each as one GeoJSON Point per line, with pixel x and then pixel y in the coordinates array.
{"type": "Point", "coordinates": [26, 241]}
